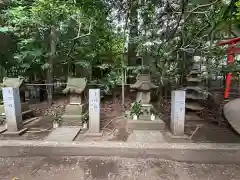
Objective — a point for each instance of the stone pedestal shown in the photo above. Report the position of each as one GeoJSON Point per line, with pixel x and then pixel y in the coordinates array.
{"type": "Point", "coordinates": [178, 113]}
{"type": "Point", "coordinates": [73, 111]}
{"type": "Point", "coordinates": [12, 108]}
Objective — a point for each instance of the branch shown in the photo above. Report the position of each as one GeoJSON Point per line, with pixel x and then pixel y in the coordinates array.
{"type": "Point", "coordinates": [178, 23]}
{"type": "Point", "coordinates": [196, 35]}
{"type": "Point", "coordinates": [197, 12]}
{"type": "Point", "coordinates": [79, 28]}
{"type": "Point", "coordinates": [200, 6]}
{"type": "Point", "coordinates": [78, 36]}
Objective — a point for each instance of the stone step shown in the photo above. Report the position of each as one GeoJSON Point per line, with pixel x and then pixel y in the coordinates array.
{"type": "Point", "coordinates": [157, 124]}
{"type": "Point", "coordinates": [196, 66]}
{"type": "Point", "coordinates": [194, 88]}
{"type": "Point", "coordinates": [194, 96]}
{"type": "Point", "coordinates": [146, 136]}
{"type": "Point", "coordinates": [194, 106]}
{"type": "Point", "coordinates": [195, 72]}
{"type": "Point", "coordinates": [197, 79]}
{"type": "Point", "coordinates": [63, 134]}
{"type": "Point", "coordinates": [27, 112]}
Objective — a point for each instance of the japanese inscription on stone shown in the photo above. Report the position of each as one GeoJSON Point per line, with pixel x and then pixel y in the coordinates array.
{"type": "Point", "coordinates": [178, 112]}
{"type": "Point", "coordinates": [94, 110]}
{"type": "Point", "coordinates": [12, 107]}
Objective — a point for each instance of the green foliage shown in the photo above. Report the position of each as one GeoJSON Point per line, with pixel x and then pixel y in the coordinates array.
{"type": "Point", "coordinates": [136, 109]}
{"type": "Point", "coordinates": [238, 10]}
{"type": "Point", "coordinates": [85, 117]}
{"type": "Point", "coordinates": [83, 34]}
{"type": "Point", "coordinates": [88, 40]}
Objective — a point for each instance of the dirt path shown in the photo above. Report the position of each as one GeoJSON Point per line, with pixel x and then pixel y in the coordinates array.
{"type": "Point", "coordinates": [103, 168]}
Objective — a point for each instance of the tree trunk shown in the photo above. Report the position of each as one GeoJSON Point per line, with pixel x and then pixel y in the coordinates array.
{"type": "Point", "coordinates": [50, 62]}
{"type": "Point", "coordinates": [133, 33]}
{"type": "Point", "coordinates": [132, 46]}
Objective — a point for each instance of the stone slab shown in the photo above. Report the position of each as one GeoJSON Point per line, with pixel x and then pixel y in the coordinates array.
{"type": "Point", "coordinates": [27, 121]}
{"type": "Point", "coordinates": [145, 125]}
{"type": "Point", "coordinates": [63, 134]}
{"type": "Point", "coordinates": [145, 136]}
{"type": "Point", "coordinates": [90, 134]}
{"type": "Point", "coordinates": [15, 133]}
{"type": "Point", "coordinates": [170, 135]}
{"type": "Point", "coordinates": [3, 129]}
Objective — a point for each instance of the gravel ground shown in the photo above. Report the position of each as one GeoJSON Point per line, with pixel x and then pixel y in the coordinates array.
{"type": "Point", "coordinates": [111, 168]}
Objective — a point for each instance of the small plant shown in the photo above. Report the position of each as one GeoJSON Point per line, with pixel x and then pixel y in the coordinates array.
{"type": "Point", "coordinates": [136, 109]}
{"type": "Point", "coordinates": [55, 115]}
{"type": "Point", "coordinates": [85, 117]}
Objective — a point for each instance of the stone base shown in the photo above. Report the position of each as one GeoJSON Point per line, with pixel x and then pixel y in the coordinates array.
{"type": "Point", "coordinates": [157, 124]}
{"type": "Point", "coordinates": [146, 136]}
{"type": "Point", "coordinates": [90, 134]}
{"type": "Point", "coordinates": [170, 135]}
{"type": "Point", "coordinates": [15, 133]}
{"type": "Point", "coordinates": [77, 109]}
{"type": "Point", "coordinates": [73, 115]}
{"type": "Point", "coordinates": [147, 107]}
{"type": "Point", "coordinates": [62, 134]}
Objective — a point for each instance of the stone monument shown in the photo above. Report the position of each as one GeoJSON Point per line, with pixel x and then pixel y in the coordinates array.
{"type": "Point", "coordinates": [19, 84]}
{"type": "Point", "coordinates": [195, 92]}
{"type": "Point", "coordinates": [94, 113]}
{"type": "Point", "coordinates": [76, 107]}
{"type": "Point", "coordinates": [12, 107]}
{"type": "Point", "coordinates": [143, 86]}
{"type": "Point", "coordinates": [178, 113]}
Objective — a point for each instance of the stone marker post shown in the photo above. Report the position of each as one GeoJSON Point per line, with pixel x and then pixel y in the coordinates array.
{"type": "Point", "coordinates": [94, 111]}
{"type": "Point", "coordinates": [12, 107]}
{"type": "Point", "coordinates": [178, 112]}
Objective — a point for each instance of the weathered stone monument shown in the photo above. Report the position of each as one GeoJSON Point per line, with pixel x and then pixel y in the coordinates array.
{"type": "Point", "coordinates": [195, 92]}
{"type": "Point", "coordinates": [94, 113]}
{"type": "Point", "coordinates": [18, 83]}
{"type": "Point", "coordinates": [76, 107]}
{"type": "Point", "coordinates": [12, 107]}
{"type": "Point", "coordinates": [143, 86]}
{"type": "Point", "coordinates": [177, 113]}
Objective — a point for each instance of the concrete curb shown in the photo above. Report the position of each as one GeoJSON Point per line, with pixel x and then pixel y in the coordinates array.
{"type": "Point", "coordinates": [187, 152]}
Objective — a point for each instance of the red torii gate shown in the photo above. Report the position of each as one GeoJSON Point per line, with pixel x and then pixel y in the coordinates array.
{"type": "Point", "coordinates": [231, 51]}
